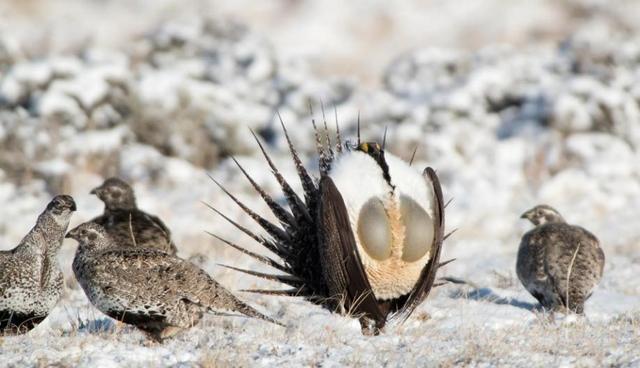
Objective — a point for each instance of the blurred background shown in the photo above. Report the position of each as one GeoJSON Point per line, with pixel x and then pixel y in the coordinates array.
{"type": "Point", "coordinates": [355, 39]}
{"type": "Point", "coordinates": [530, 100]}
{"type": "Point", "coordinates": [514, 103]}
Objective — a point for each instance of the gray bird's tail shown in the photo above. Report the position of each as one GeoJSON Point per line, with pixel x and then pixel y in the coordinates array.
{"type": "Point", "coordinates": [251, 312]}
{"type": "Point", "coordinates": [231, 303]}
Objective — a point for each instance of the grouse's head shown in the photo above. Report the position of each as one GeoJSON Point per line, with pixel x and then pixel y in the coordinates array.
{"type": "Point", "coordinates": [60, 208]}
{"type": "Point", "coordinates": [89, 234]}
{"type": "Point", "coordinates": [61, 204]}
{"type": "Point", "coordinates": [116, 194]}
{"type": "Point", "coordinates": [542, 214]}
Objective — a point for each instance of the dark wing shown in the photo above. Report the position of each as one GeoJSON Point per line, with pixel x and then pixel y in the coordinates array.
{"type": "Point", "coordinates": [130, 268]}
{"type": "Point", "coordinates": [162, 228]}
{"type": "Point", "coordinates": [146, 276]}
{"type": "Point", "coordinates": [142, 285]}
{"type": "Point", "coordinates": [428, 274]}
{"type": "Point", "coordinates": [100, 220]}
{"type": "Point", "coordinates": [157, 223]}
{"type": "Point", "coordinates": [164, 278]}
{"type": "Point", "coordinates": [342, 267]}
{"type": "Point", "coordinates": [137, 228]}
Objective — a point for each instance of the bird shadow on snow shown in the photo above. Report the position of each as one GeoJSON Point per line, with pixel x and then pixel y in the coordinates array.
{"type": "Point", "coordinates": [97, 325]}
{"type": "Point", "coordinates": [487, 295]}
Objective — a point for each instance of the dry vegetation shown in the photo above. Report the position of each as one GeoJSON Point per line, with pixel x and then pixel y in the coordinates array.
{"type": "Point", "coordinates": [504, 127]}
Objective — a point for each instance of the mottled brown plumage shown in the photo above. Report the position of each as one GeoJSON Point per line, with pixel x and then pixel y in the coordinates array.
{"type": "Point", "coordinates": [30, 279]}
{"type": "Point", "coordinates": [126, 224]}
{"type": "Point", "coordinates": [558, 263]}
{"type": "Point", "coordinates": [150, 289]}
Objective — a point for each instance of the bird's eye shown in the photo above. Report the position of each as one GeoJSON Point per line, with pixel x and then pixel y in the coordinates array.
{"type": "Point", "coordinates": [374, 230]}
{"type": "Point", "coordinates": [419, 230]}
{"type": "Point", "coordinates": [116, 194]}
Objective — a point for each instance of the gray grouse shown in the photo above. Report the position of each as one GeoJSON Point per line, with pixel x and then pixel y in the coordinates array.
{"type": "Point", "coordinates": [150, 289]}
{"type": "Point", "coordinates": [30, 279]}
{"type": "Point", "coordinates": [558, 263]}
{"type": "Point", "coordinates": [125, 223]}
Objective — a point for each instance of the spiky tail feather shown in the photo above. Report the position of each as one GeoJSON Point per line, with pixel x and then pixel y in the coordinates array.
{"type": "Point", "coordinates": [296, 241]}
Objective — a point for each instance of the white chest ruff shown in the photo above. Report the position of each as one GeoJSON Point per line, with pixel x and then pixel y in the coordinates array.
{"type": "Point", "coordinates": [359, 179]}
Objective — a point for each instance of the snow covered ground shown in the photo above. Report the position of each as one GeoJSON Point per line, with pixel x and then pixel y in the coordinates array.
{"type": "Point", "coordinates": [554, 118]}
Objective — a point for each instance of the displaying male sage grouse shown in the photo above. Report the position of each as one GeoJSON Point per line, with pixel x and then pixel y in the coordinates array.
{"type": "Point", "coordinates": [125, 223]}
{"type": "Point", "coordinates": [150, 289]}
{"type": "Point", "coordinates": [365, 240]}
{"type": "Point", "coordinates": [30, 279]}
{"type": "Point", "coordinates": [558, 263]}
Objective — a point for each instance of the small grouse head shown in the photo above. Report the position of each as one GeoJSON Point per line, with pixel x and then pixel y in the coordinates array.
{"type": "Point", "coordinates": [116, 194]}
{"type": "Point", "coordinates": [60, 209]}
{"type": "Point", "coordinates": [542, 214]}
{"type": "Point", "coordinates": [89, 235]}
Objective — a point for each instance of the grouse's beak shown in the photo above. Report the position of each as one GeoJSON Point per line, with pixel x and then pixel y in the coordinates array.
{"type": "Point", "coordinates": [71, 233]}
{"type": "Point", "coordinates": [96, 191]}
{"type": "Point", "coordinates": [525, 215]}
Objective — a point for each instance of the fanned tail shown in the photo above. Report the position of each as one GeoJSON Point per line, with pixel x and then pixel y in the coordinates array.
{"type": "Point", "coordinates": [308, 185]}
{"type": "Point", "coordinates": [338, 138]}
{"type": "Point", "coordinates": [285, 279]}
{"type": "Point", "coordinates": [294, 240]}
{"type": "Point", "coordinates": [261, 258]}
{"type": "Point", "coordinates": [279, 211]}
{"type": "Point", "coordinates": [273, 246]}
{"type": "Point", "coordinates": [325, 154]}
{"type": "Point", "coordinates": [296, 205]}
